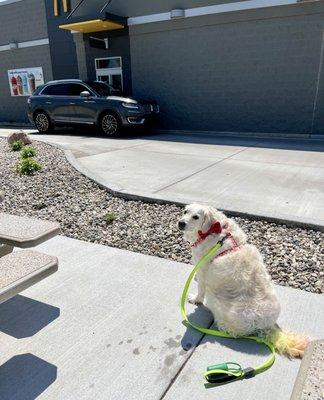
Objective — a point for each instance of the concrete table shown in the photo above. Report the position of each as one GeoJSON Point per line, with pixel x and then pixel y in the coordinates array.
{"type": "Point", "coordinates": [20, 270]}
{"type": "Point", "coordinates": [25, 232]}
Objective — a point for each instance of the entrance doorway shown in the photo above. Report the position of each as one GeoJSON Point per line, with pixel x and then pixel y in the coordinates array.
{"type": "Point", "coordinates": [110, 70]}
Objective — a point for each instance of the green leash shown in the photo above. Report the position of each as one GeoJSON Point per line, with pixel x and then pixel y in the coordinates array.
{"type": "Point", "coordinates": [221, 374]}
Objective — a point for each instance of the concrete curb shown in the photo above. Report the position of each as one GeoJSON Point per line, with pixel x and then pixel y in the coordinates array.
{"type": "Point", "coordinates": [306, 374]}
{"type": "Point", "coordinates": [149, 198]}
{"type": "Point", "coordinates": [117, 191]}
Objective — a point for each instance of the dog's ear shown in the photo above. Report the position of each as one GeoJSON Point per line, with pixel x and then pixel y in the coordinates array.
{"type": "Point", "coordinates": [212, 215]}
{"type": "Point", "coordinates": [209, 218]}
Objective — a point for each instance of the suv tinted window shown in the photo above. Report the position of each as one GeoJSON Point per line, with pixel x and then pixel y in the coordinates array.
{"type": "Point", "coordinates": [57, 90]}
{"type": "Point", "coordinates": [76, 89]}
{"type": "Point", "coordinates": [102, 89]}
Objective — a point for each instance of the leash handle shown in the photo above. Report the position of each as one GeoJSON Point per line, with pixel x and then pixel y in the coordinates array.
{"type": "Point", "coordinates": [221, 374]}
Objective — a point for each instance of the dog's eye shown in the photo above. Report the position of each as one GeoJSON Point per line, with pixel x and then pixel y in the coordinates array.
{"type": "Point", "coordinates": [185, 211]}
{"type": "Point", "coordinates": [195, 217]}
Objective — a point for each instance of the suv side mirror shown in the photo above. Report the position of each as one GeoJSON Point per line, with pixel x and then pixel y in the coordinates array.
{"type": "Point", "coordinates": [85, 93]}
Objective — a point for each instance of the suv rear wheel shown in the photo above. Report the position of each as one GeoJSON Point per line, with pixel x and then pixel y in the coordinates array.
{"type": "Point", "coordinates": [109, 124]}
{"type": "Point", "coordinates": [43, 122]}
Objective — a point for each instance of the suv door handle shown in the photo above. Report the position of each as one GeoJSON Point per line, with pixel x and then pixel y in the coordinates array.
{"type": "Point", "coordinates": [48, 102]}
{"type": "Point", "coordinates": [72, 103]}
{"type": "Point", "coordinates": [88, 101]}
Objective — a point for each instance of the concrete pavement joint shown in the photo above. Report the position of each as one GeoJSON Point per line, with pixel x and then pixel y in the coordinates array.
{"type": "Point", "coordinates": [197, 172]}
{"type": "Point", "coordinates": [104, 152]}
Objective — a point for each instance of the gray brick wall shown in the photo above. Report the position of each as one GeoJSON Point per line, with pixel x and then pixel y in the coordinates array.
{"type": "Point", "coordinates": [247, 71]}
{"type": "Point", "coordinates": [13, 109]}
{"type": "Point", "coordinates": [132, 8]}
{"type": "Point", "coordinates": [22, 21]}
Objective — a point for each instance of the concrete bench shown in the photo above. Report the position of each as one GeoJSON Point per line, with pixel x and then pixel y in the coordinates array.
{"type": "Point", "coordinates": [19, 270]}
{"type": "Point", "coordinates": [25, 232]}
{"type": "Point", "coordinates": [22, 269]}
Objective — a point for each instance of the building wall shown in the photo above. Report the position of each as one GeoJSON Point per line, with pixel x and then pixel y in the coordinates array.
{"type": "Point", "coordinates": [254, 71]}
{"type": "Point", "coordinates": [62, 46]}
{"type": "Point", "coordinates": [20, 22]}
{"type": "Point", "coordinates": [134, 8]}
{"type": "Point", "coordinates": [118, 47]}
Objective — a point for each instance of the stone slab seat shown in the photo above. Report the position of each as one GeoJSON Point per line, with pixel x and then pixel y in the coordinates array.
{"type": "Point", "coordinates": [309, 383]}
{"type": "Point", "coordinates": [25, 232]}
{"type": "Point", "coordinates": [22, 269]}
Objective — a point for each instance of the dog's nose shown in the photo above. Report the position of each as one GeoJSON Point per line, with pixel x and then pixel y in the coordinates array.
{"type": "Point", "coordinates": [181, 225]}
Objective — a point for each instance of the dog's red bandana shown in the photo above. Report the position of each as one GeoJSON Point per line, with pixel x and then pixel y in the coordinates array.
{"type": "Point", "coordinates": [216, 229]}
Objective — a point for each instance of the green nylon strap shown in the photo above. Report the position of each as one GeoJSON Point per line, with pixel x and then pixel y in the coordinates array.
{"type": "Point", "coordinates": [240, 373]}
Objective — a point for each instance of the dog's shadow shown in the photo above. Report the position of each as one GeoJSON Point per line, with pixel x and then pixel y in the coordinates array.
{"type": "Point", "coordinates": [202, 317]}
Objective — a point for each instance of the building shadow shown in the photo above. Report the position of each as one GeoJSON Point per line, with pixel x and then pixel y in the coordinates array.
{"type": "Point", "coordinates": [23, 317]}
{"type": "Point", "coordinates": [25, 377]}
{"type": "Point", "coordinates": [201, 316]}
{"type": "Point", "coordinates": [297, 144]}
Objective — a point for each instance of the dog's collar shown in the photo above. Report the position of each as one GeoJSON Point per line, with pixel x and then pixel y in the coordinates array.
{"type": "Point", "coordinates": [228, 235]}
{"type": "Point", "coordinates": [215, 229]}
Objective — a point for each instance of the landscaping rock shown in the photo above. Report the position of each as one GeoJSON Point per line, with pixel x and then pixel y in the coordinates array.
{"type": "Point", "coordinates": [19, 135]}
{"type": "Point", "coordinates": [293, 256]}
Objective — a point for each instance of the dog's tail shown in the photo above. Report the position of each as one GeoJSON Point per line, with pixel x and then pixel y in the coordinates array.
{"type": "Point", "coordinates": [287, 343]}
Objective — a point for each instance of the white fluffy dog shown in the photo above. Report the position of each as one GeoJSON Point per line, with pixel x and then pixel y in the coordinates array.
{"type": "Point", "coordinates": [235, 285]}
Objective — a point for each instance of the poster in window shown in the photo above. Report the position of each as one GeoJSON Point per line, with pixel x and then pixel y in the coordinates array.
{"type": "Point", "coordinates": [23, 82]}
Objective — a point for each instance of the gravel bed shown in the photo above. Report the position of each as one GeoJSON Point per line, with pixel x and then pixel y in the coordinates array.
{"type": "Point", "coordinates": [294, 256]}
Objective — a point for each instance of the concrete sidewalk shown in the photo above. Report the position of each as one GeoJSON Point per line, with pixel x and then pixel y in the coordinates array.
{"type": "Point", "coordinates": [107, 325]}
{"type": "Point", "coordinates": [276, 178]}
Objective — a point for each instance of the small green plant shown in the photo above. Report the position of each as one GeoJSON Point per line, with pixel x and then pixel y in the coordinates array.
{"type": "Point", "coordinates": [109, 218]}
{"type": "Point", "coordinates": [27, 166]}
{"type": "Point", "coordinates": [17, 145]}
{"type": "Point", "coordinates": [28, 152]}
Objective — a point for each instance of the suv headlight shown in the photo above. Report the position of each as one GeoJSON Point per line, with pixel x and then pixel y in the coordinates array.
{"type": "Point", "coordinates": [131, 106]}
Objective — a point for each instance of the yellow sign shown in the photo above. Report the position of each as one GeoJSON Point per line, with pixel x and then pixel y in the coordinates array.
{"type": "Point", "coordinates": [56, 6]}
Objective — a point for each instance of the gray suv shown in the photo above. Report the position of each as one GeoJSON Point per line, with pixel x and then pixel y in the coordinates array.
{"type": "Point", "coordinates": [69, 102]}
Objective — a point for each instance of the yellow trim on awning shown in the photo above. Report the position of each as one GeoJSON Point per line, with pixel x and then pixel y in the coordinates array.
{"type": "Point", "coordinates": [95, 25]}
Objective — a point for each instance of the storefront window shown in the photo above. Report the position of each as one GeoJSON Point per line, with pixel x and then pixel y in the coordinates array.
{"type": "Point", "coordinates": [109, 70]}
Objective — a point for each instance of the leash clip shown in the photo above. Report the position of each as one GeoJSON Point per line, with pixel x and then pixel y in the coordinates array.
{"type": "Point", "coordinates": [248, 372]}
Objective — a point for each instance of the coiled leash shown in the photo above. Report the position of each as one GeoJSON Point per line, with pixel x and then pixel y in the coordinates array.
{"type": "Point", "coordinates": [221, 374]}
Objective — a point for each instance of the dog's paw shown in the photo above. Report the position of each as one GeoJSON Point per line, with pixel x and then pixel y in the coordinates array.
{"type": "Point", "coordinates": [194, 299]}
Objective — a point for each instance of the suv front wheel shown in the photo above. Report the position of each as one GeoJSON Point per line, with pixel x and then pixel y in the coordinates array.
{"type": "Point", "coordinates": [43, 122]}
{"type": "Point", "coordinates": [109, 124]}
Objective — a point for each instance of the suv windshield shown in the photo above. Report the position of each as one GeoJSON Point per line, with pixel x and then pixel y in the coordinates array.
{"type": "Point", "coordinates": [101, 88]}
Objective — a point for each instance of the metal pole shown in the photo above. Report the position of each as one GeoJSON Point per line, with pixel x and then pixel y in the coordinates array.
{"type": "Point", "coordinates": [74, 9]}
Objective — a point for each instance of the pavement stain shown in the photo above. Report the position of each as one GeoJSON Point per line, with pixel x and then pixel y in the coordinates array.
{"type": "Point", "coordinates": [169, 360]}
{"type": "Point", "coordinates": [171, 343]}
{"type": "Point", "coordinates": [136, 351]}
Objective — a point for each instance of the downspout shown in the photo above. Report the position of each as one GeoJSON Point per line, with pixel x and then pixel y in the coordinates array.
{"type": "Point", "coordinates": [320, 71]}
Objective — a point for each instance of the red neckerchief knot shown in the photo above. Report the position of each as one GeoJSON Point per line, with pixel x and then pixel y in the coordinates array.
{"type": "Point", "coordinates": [216, 228]}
